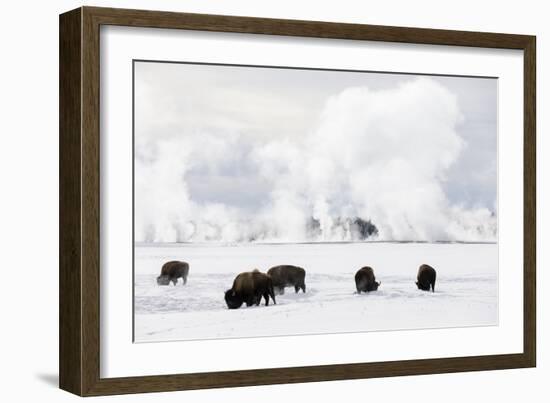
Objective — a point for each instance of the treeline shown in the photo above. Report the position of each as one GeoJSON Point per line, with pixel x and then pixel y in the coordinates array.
{"type": "Point", "coordinates": [333, 229]}
{"type": "Point", "coordinates": [348, 228]}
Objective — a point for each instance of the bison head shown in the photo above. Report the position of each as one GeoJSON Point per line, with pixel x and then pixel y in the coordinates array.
{"type": "Point", "coordinates": [163, 280]}
{"type": "Point", "coordinates": [232, 300]}
{"type": "Point", "coordinates": [374, 286]}
{"type": "Point", "coordinates": [422, 287]}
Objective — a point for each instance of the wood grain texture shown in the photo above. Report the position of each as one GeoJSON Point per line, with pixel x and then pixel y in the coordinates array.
{"type": "Point", "coordinates": [316, 29]}
{"type": "Point", "coordinates": [90, 202]}
{"type": "Point", "coordinates": [80, 201]}
{"type": "Point", "coordinates": [530, 203]}
{"type": "Point", "coordinates": [70, 271]}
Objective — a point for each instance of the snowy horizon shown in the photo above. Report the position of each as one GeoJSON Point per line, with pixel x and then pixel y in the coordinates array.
{"type": "Point", "coordinates": [466, 293]}
{"type": "Point", "coordinates": [244, 154]}
{"type": "Point", "coordinates": [282, 243]}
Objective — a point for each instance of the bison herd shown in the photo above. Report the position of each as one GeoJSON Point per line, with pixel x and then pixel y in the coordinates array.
{"type": "Point", "coordinates": [250, 287]}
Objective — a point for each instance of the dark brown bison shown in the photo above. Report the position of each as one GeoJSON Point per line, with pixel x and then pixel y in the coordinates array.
{"type": "Point", "coordinates": [171, 271]}
{"type": "Point", "coordinates": [365, 280]}
{"type": "Point", "coordinates": [288, 276]}
{"type": "Point", "coordinates": [250, 287]}
{"type": "Point", "coordinates": [426, 278]}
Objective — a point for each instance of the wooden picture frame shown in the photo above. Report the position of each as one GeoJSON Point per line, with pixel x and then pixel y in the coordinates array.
{"type": "Point", "coordinates": [79, 280]}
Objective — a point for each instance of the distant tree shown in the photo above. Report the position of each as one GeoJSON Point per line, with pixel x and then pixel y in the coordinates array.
{"type": "Point", "coordinates": [366, 229]}
{"type": "Point", "coordinates": [313, 228]}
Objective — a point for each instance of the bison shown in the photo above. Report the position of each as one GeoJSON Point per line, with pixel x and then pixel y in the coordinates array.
{"type": "Point", "coordinates": [426, 278]}
{"type": "Point", "coordinates": [171, 271]}
{"type": "Point", "coordinates": [288, 276]}
{"type": "Point", "coordinates": [250, 287]}
{"type": "Point", "coordinates": [365, 280]}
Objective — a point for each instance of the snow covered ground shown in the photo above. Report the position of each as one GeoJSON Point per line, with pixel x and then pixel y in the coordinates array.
{"type": "Point", "coordinates": [466, 292]}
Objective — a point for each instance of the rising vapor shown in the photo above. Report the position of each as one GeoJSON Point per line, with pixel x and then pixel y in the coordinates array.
{"type": "Point", "coordinates": [378, 155]}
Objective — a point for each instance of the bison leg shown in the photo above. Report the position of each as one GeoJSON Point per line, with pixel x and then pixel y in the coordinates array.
{"type": "Point", "coordinates": [433, 286]}
{"type": "Point", "coordinates": [266, 297]}
{"type": "Point", "coordinates": [303, 287]}
{"type": "Point", "coordinates": [257, 299]}
{"type": "Point", "coordinates": [361, 286]}
{"type": "Point", "coordinates": [272, 295]}
{"type": "Point", "coordinates": [184, 280]}
{"type": "Point", "coordinates": [296, 289]}
{"type": "Point", "coordinates": [175, 281]}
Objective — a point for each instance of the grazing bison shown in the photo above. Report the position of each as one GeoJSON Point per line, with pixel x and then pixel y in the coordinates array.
{"type": "Point", "coordinates": [250, 287]}
{"type": "Point", "coordinates": [426, 278]}
{"type": "Point", "coordinates": [365, 280]}
{"type": "Point", "coordinates": [288, 276]}
{"type": "Point", "coordinates": [171, 271]}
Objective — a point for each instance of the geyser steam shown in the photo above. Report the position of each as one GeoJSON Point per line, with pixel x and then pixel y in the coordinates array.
{"type": "Point", "coordinates": [379, 156]}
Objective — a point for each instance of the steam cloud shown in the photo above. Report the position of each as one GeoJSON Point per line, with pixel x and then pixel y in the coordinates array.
{"type": "Point", "coordinates": [379, 155]}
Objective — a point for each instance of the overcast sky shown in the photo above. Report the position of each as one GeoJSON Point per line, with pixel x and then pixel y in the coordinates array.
{"type": "Point", "coordinates": [231, 142]}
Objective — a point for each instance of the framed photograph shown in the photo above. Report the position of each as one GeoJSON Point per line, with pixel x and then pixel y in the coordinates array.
{"type": "Point", "coordinates": [249, 201]}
